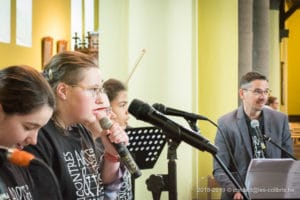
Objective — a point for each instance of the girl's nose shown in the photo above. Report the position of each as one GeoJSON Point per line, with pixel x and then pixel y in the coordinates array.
{"type": "Point", "coordinates": [99, 99]}
{"type": "Point", "coordinates": [32, 138]}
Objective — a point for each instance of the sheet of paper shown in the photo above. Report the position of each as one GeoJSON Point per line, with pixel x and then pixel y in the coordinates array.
{"type": "Point", "coordinates": [293, 181]}
{"type": "Point", "coordinates": [273, 178]}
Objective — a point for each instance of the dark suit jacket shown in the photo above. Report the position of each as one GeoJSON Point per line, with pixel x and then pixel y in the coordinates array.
{"type": "Point", "coordinates": [235, 130]}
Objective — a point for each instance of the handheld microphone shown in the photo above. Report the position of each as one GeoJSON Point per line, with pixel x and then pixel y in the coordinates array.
{"type": "Point", "coordinates": [255, 125]}
{"type": "Point", "coordinates": [122, 150]}
{"type": "Point", "coordinates": [18, 157]}
{"type": "Point", "coordinates": [171, 111]}
{"type": "Point", "coordinates": [174, 131]}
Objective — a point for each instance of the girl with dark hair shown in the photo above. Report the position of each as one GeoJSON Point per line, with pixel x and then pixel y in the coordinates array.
{"type": "Point", "coordinates": [26, 104]}
{"type": "Point", "coordinates": [117, 95]}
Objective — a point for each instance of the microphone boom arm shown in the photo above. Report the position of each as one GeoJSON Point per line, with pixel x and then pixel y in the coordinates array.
{"type": "Point", "coordinates": [268, 139]}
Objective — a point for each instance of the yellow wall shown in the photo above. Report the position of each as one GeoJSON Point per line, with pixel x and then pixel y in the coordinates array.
{"type": "Point", "coordinates": [218, 68]}
{"type": "Point", "coordinates": [49, 18]}
{"type": "Point", "coordinates": [293, 64]}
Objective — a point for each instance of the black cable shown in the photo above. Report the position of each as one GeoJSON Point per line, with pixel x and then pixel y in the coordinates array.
{"type": "Point", "coordinates": [230, 153]}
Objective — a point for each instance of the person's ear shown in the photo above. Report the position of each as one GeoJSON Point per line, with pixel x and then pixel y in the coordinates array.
{"type": "Point", "coordinates": [61, 91]}
{"type": "Point", "coordinates": [241, 93]}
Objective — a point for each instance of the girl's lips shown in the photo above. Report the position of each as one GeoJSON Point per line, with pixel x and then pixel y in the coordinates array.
{"type": "Point", "coordinates": [95, 111]}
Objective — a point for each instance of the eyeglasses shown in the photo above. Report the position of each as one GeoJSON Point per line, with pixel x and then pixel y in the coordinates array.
{"type": "Point", "coordinates": [259, 92]}
{"type": "Point", "coordinates": [93, 90]}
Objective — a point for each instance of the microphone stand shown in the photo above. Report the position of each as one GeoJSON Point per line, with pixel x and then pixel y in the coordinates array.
{"type": "Point", "coordinates": [158, 183]}
{"type": "Point", "coordinates": [268, 139]}
{"type": "Point", "coordinates": [172, 170]}
{"type": "Point", "coordinates": [165, 182]}
{"type": "Point", "coordinates": [192, 122]}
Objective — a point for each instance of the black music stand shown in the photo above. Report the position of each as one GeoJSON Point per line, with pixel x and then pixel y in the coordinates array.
{"type": "Point", "coordinates": [145, 146]}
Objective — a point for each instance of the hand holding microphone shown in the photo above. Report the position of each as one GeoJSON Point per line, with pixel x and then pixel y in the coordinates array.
{"type": "Point", "coordinates": [122, 150]}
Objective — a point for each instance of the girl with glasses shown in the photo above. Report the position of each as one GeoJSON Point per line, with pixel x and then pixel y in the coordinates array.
{"type": "Point", "coordinates": [66, 143]}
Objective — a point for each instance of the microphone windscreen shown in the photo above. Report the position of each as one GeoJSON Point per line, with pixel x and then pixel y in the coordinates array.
{"type": "Point", "coordinates": [20, 158]}
{"type": "Point", "coordinates": [105, 123]}
{"type": "Point", "coordinates": [254, 123]}
{"type": "Point", "coordinates": [139, 109]}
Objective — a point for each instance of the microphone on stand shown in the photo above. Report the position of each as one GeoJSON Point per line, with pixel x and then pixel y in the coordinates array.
{"type": "Point", "coordinates": [255, 125]}
{"type": "Point", "coordinates": [191, 118]}
{"type": "Point", "coordinates": [172, 111]}
{"type": "Point", "coordinates": [260, 146]}
{"type": "Point", "coordinates": [174, 131]}
{"type": "Point", "coordinates": [122, 150]}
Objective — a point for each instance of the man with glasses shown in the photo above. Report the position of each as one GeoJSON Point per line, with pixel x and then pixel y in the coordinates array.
{"type": "Point", "coordinates": [238, 138]}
